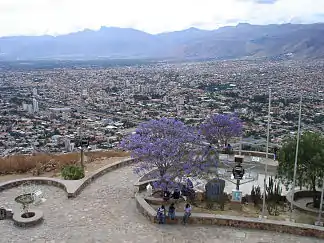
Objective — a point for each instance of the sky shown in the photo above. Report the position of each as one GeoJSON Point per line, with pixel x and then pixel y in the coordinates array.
{"type": "Point", "coordinates": [55, 17]}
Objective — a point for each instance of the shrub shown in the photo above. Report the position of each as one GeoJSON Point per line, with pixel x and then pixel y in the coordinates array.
{"type": "Point", "coordinates": [72, 172]}
{"type": "Point", "coordinates": [256, 195]}
{"type": "Point", "coordinates": [222, 200]}
{"type": "Point", "coordinates": [245, 199]}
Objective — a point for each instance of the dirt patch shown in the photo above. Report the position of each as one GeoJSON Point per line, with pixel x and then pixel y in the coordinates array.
{"type": "Point", "coordinates": [97, 164]}
{"type": "Point", "coordinates": [50, 165]}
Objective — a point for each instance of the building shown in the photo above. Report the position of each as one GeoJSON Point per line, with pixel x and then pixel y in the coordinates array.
{"type": "Point", "coordinates": [69, 147]}
{"type": "Point", "coordinates": [35, 105]}
{"type": "Point", "coordinates": [181, 101]}
{"type": "Point", "coordinates": [30, 108]}
{"type": "Point", "coordinates": [34, 92]}
{"type": "Point", "coordinates": [25, 106]}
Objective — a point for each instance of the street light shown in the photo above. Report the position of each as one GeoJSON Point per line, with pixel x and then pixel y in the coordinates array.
{"type": "Point", "coordinates": [296, 159]}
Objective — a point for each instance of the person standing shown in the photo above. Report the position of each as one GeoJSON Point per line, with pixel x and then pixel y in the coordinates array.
{"type": "Point", "coordinates": [171, 212]}
{"type": "Point", "coordinates": [176, 194]}
{"type": "Point", "coordinates": [161, 214]}
{"type": "Point", "coordinates": [187, 213]}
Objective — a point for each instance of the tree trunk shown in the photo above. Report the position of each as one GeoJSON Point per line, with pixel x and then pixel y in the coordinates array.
{"type": "Point", "coordinates": [313, 181]}
{"type": "Point", "coordinates": [162, 171]}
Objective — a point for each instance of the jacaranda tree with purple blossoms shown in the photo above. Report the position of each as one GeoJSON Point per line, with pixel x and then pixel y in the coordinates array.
{"type": "Point", "coordinates": [220, 128]}
{"type": "Point", "coordinates": [171, 147]}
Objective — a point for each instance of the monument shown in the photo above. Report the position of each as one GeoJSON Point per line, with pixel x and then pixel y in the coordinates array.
{"type": "Point", "coordinates": [5, 213]}
{"type": "Point", "coordinates": [238, 173]}
{"type": "Point", "coordinates": [215, 189]}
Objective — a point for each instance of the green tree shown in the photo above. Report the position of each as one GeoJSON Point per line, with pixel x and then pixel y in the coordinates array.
{"type": "Point", "coordinates": [310, 163]}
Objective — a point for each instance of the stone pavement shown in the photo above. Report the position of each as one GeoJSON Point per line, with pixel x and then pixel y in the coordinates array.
{"type": "Point", "coordinates": [105, 212]}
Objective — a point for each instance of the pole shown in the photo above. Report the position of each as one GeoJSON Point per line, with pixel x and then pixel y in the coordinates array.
{"type": "Point", "coordinates": [296, 159]}
{"type": "Point", "coordinates": [82, 157]}
{"type": "Point", "coordinates": [81, 139]}
{"type": "Point", "coordinates": [321, 205]}
{"type": "Point", "coordinates": [240, 153]}
{"type": "Point", "coordinates": [267, 156]}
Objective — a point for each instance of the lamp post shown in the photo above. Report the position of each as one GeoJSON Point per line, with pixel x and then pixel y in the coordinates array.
{"type": "Point", "coordinates": [296, 160]}
{"type": "Point", "coordinates": [267, 156]}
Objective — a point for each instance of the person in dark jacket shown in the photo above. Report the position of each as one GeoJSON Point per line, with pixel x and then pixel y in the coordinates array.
{"type": "Point", "coordinates": [166, 195]}
{"type": "Point", "coordinates": [171, 212]}
{"type": "Point", "coordinates": [176, 194]}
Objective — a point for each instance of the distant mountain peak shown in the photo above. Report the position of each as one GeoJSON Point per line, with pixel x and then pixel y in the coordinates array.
{"type": "Point", "coordinates": [243, 25]}
{"type": "Point", "coordinates": [241, 41]}
{"type": "Point", "coordinates": [193, 29]}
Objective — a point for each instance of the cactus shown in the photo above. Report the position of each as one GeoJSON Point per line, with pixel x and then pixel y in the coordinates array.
{"type": "Point", "coordinates": [256, 195]}
{"type": "Point", "coordinates": [273, 195]}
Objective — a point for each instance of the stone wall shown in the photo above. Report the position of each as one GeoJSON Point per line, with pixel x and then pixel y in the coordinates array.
{"type": "Point", "coordinates": [36, 180]}
{"type": "Point", "coordinates": [254, 153]}
{"type": "Point", "coordinates": [72, 187]}
{"type": "Point", "coordinates": [232, 221]}
{"type": "Point", "coordinates": [144, 208]}
{"type": "Point", "coordinates": [101, 171]}
{"type": "Point", "coordinates": [302, 194]}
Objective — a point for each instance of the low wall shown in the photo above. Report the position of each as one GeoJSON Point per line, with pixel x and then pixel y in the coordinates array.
{"type": "Point", "coordinates": [73, 192]}
{"type": "Point", "coordinates": [254, 153]}
{"type": "Point", "coordinates": [145, 208]}
{"type": "Point", "coordinates": [233, 221]}
{"type": "Point", "coordinates": [303, 194]}
{"type": "Point", "coordinates": [37, 180]}
{"type": "Point", "coordinates": [72, 187]}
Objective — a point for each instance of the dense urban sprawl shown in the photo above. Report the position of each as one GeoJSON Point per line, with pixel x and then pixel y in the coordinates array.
{"type": "Point", "coordinates": [49, 110]}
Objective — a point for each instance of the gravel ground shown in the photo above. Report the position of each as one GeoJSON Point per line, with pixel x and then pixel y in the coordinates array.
{"type": "Point", "coordinates": [105, 212]}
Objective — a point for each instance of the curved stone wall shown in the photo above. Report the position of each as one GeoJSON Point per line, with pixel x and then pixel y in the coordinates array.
{"type": "Point", "coordinates": [233, 221]}
{"type": "Point", "coordinates": [299, 195]}
{"type": "Point", "coordinates": [37, 180]}
{"type": "Point", "coordinates": [101, 171]}
{"type": "Point", "coordinates": [72, 187]}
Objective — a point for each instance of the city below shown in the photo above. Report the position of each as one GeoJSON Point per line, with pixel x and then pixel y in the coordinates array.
{"type": "Point", "coordinates": [49, 109]}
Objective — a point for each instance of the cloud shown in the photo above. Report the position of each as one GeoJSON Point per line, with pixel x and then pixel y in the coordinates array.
{"type": "Point", "coordinates": [35, 17]}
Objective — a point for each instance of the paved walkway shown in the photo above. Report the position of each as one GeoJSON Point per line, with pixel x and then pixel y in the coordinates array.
{"type": "Point", "coordinates": [105, 212]}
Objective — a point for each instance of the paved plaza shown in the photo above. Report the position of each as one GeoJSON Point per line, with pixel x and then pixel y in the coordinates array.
{"type": "Point", "coordinates": [105, 212]}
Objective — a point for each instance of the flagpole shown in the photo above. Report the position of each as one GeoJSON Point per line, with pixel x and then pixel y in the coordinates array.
{"type": "Point", "coordinates": [296, 159]}
{"type": "Point", "coordinates": [267, 156]}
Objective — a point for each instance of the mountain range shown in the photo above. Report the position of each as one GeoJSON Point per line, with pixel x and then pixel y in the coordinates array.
{"type": "Point", "coordinates": [235, 42]}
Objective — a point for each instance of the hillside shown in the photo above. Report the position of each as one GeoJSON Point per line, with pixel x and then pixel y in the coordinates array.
{"type": "Point", "coordinates": [241, 41]}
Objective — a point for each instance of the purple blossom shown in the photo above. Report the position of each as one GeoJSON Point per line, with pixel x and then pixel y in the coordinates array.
{"type": "Point", "coordinates": [219, 128]}
{"type": "Point", "coordinates": [171, 147]}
